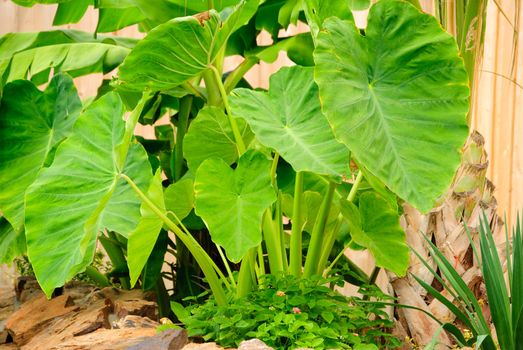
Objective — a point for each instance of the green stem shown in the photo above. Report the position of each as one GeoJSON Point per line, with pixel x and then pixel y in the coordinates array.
{"type": "Point", "coordinates": [164, 308]}
{"type": "Point", "coordinates": [272, 243]}
{"type": "Point", "coordinates": [130, 125]}
{"type": "Point", "coordinates": [97, 277]}
{"type": "Point", "coordinates": [211, 86]}
{"type": "Point", "coordinates": [311, 9]}
{"type": "Point", "coordinates": [338, 257]}
{"type": "Point", "coordinates": [331, 238]}
{"type": "Point", "coordinates": [215, 267]}
{"type": "Point", "coordinates": [181, 129]}
{"type": "Point", "coordinates": [226, 264]}
{"type": "Point", "coordinates": [115, 253]}
{"type": "Point", "coordinates": [246, 279]}
{"type": "Point", "coordinates": [237, 74]}
{"type": "Point", "coordinates": [203, 259]}
{"type": "Point", "coordinates": [354, 188]}
{"type": "Point", "coordinates": [297, 224]}
{"type": "Point", "coordinates": [261, 260]}
{"type": "Point", "coordinates": [281, 233]}
{"type": "Point", "coordinates": [315, 246]}
{"type": "Point", "coordinates": [372, 279]}
{"type": "Point", "coordinates": [234, 126]}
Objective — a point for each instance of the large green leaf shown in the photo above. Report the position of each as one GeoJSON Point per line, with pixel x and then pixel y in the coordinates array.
{"type": "Point", "coordinates": [142, 240]}
{"type": "Point", "coordinates": [210, 135]}
{"type": "Point", "coordinates": [71, 51]}
{"type": "Point", "coordinates": [289, 119]}
{"type": "Point", "coordinates": [232, 202]}
{"type": "Point", "coordinates": [82, 193]}
{"type": "Point", "coordinates": [12, 243]}
{"type": "Point", "coordinates": [32, 124]}
{"type": "Point", "coordinates": [375, 226]}
{"type": "Point", "coordinates": [179, 198]}
{"type": "Point", "coordinates": [397, 97]}
{"type": "Point", "coordinates": [180, 49]}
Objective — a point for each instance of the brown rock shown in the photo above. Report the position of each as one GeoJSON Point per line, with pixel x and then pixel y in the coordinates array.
{"type": "Point", "coordinates": [105, 339]}
{"type": "Point", "coordinates": [133, 321]}
{"type": "Point", "coordinates": [171, 339]}
{"type": "Point", "coordinates": [254, 344]}
{"type": "Point", "coordinates": [135, 306]}
{"type": "Point", "coordinates": [7, 307]}
{"type": "Point", "coordinates": [27, 288]}
{"type": "Point", "coordinates": [35, 315]}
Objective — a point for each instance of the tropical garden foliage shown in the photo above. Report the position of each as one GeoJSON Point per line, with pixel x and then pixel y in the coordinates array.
{"type": "Point", "coordinates": [259, 187]}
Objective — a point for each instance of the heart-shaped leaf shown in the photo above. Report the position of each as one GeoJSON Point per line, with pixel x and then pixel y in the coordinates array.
{"type": "Point", "coordinates": [179, 198]}
{"type": "Point", "coordinates": [210, 135]}
{"type": "Point", "coordinates": [81, 193]}
{"type": "Point", "coordinates": [397, 97]}
{"type": "Point", "coordinates": [232, 201]}
{"type": "Point", "coordinates": [142, 240]}
{"type": "Point", "coordinates": [180, 49]}
{"type": "Point", "coordinates": [32, 124]}
{"type": "Point", "coordinates": [375, 226]}
{"type": "Point", "coordinates": [289, 119]}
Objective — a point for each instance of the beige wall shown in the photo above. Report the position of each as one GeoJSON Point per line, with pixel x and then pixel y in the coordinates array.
{"type": "Point", "coordinates": [498, 112]}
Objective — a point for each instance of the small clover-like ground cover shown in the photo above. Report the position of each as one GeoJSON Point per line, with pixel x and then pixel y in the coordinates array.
{"type": "Point", "coordinates": [288, 313]}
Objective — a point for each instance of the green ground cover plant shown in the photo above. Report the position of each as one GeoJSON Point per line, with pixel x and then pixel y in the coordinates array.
{"type": "Point", "coordinates": [252, 182]}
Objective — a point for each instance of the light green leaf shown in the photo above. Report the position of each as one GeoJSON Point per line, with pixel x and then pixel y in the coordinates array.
{"type": "Point", "coordinates": [317, 11]}
{"type": "Point", "coordinates": [359, 5]}
{"type": "Point", "coordinates": [141, 241]}
{"type": "Point", "coordinates": [375, 226]}
{"type": "Point", "coordinates": [397, 97]}
{"type": "Point", "coordinates": [72, 51]}
{"type": "Point", "coordinates": [180, 49]}
{"type": "Point", "coordinates": [12, 243]}
{"type": "Point", "coordinates": [32, 124]}
{"type": "Point", "coordinates": [82, 193]}
{"type": "Point", "coordinates": [71, 11]}
{"type": "Point", "coordinates": [289, 119]}
{"type": "Point", "coordinates": [232, 202]}
{"type": "Point", "coordinates": [179, 198]}
{"type": "Point", "coordinates": [111, 19]}
{"type": "Point", "coordinates": [210, 135]}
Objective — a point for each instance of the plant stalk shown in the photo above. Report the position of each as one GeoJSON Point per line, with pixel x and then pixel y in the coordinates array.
{"type": "Point", "coordinates": [297, 225]}
{"type": "Point", "coordinates": [234, 126]}
{"type": "Point", "coordinates": [237, 74]}
{"type": "Point", "coordinates": [97, 277]}
{"type": "Point", "coordinates": [272, 243]}
{"type": "Point", "coordinates": [315, 246]}
{"type": "Point", "coordinates": [246, 280]}
{"type": "Point", "coordinates": [203, 259]}
{"type": "Point", "coordinates": [181, 129]}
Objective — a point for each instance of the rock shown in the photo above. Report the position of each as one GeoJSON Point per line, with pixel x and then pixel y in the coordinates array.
{"type": "Point", "coordinates": [202, 346]}
{"type": "Point", "coordinates": [254, 344]}
{"type": "Point", "coordinates": [7, 307]}
{"type": "Point", "coordinates": [27, 288]}
{"type": "Point", "coordinates": [139, 307]}
{"type": "Point", "coordinates": [104, 339]}
{"type": "Point", "coordinates": [35, 315]}
{"type": "Point", "coordinates": [133, 321]}
{"type": "Point", "coordinates": [171, 339]}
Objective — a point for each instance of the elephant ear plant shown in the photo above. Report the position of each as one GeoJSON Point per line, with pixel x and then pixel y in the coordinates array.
{"type": "Point", "coordinates": [282, 180]}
